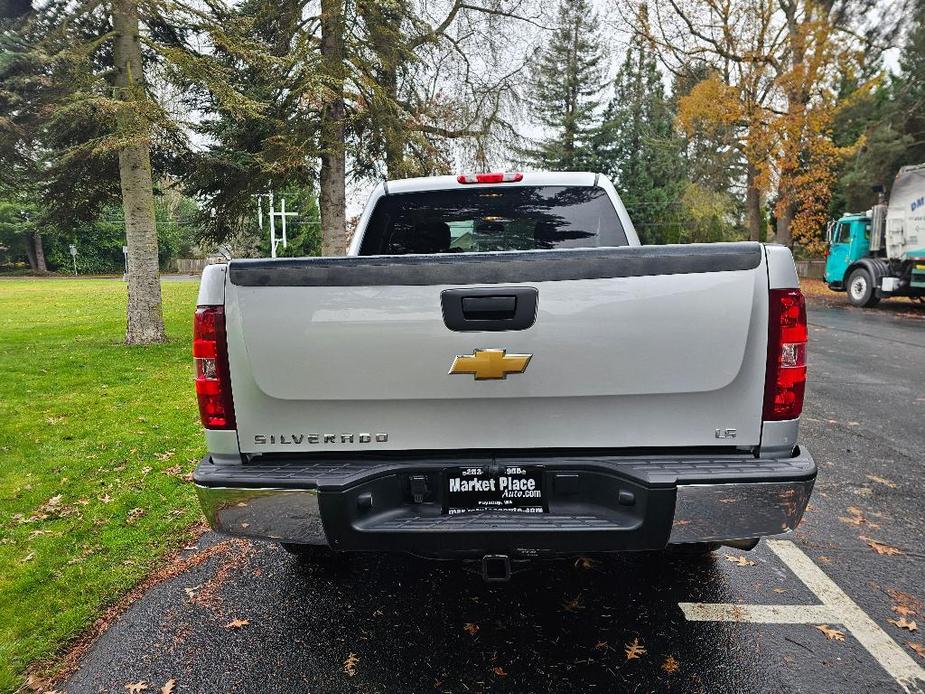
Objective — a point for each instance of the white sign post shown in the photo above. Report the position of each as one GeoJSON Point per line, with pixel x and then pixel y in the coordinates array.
{"type": "Point", "coordinates": [73, 250]}
{"type": "Point", "coordinates": [273, 214]}
{"type": "Point", "coordinates": [283, 214]}
{"type": "Point", "coordinates": [273, 241]}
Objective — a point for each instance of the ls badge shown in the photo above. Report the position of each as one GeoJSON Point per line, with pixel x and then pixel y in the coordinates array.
{"type": "Point", "coordinates": [490, 364]}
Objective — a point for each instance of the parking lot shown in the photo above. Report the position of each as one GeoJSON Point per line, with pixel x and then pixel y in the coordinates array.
{"type": "Point", "coordinates": [238, 616]}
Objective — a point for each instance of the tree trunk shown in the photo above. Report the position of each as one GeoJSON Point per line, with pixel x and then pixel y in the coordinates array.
{"type": "Point", "coordinates": [782, 233]}
{"type": "Point", "coordinates": [753, 204]}
{"type": "Point", "coordinates": [797, 101]}
{"type": "Point", "coordinates": [333, 195]}
{"type": "Point", "coordinates": [145, 322]}
{"type": "Point", "coordinates": [395, 135]}
{"type": "Point", "coordinates": [30, 251]}
{"type": "Point", "coordinates": [39, 249]}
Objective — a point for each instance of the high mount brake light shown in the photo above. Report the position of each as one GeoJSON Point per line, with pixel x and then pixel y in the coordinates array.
{"type": "Point", "coordinates": [785, 378]}
{"type": "Point", "coordinates": [213, 382]}
{"type": "Point", "coordinates": [501, 177]}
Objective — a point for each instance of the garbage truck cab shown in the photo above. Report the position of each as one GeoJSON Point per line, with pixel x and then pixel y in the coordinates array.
{"type": "Point", "coordinates": [849, 241]}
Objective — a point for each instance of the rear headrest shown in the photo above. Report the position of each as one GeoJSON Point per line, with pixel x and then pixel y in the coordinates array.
{"type": "Point", "coordinates": [430, 237]}
{"type": "Point", "coordinates": [545, 234]}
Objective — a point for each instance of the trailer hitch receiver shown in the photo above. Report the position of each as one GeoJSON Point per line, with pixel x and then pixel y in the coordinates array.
{"type": "Point", "coordinates": [496, 568]}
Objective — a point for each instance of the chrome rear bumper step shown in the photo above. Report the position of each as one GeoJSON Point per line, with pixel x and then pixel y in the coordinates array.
{"type": "Point", "coordinates": [620, 503]}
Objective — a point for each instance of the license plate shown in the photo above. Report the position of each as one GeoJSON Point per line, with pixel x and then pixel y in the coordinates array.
{"type": "Point", "coordinates": [511, 488]}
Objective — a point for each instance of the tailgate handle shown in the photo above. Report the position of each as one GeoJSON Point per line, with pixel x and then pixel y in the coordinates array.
{"type": "Point", "coordinates": [489, 308]}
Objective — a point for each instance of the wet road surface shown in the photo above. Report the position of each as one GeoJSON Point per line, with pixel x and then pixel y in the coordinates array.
{"type": "Point", "coordinates": [400, 624]}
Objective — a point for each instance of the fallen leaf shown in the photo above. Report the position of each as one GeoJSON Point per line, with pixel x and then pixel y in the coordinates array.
{"type": "Point", "coordinates": [856, 517]}
{"type": "Point", "coordinates": [572, 605]}
{"type": "Point", "coordinates": [780, 590]}
{"type": "Point", "coordinates": [104, 499]}
{"type": "Point", "coordinates": [584, 563]}
{"type": "Point", "coordinates": [28, 557]}
{"type": "Point", "coordinates": [740, 560]}
{"type": "Point", "coordinates": [881, 480]}
{"type": "Point", "coordinates": [601, 645]}
{"type": "Point", "coordinates": [136, 687]}
{"type": "Point", "coordinates": [471, 629]}
{"type": "Point", "coordinates": [635, 650]}
{"type": "Point", "coordinates": [670, 665]}
{"type": "Point", "coordinates": [170, 686]}
{"type": "Point", "coordinates": [350, 664]}
{"type": "Point", "coordinates": [134, 515]}
{"type": "Point", "coordinates": [53, 508]}
{"type": "Point", "coordinates": [499, 671]}
{"type": "Point", "coordinates": [881, 547]}
{"type": "Point", "coordinates": [917, 647]}
{"type": "Point", "coordinates": [53, 503]}
{"type": "Point", "coordinates": [903, 623]}
{"type": "Point", "coordinates": [906, 604]}
{"type": "Point", "coordinates": [237, 623]}
{"type": "Point", "coordinates": [191, 591]}
{"type": "Point", "coordinates": [830, 633]}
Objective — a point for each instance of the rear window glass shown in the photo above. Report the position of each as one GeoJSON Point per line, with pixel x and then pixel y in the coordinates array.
{"type": "Point", "coordinates": [519, 218]}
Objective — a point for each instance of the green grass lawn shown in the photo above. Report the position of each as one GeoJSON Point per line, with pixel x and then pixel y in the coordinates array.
{"type": "Point", "coordinates": [95, 439]}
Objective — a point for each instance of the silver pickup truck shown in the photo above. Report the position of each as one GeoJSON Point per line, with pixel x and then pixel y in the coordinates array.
{"type": "Point", "coordinates": [498, 369]}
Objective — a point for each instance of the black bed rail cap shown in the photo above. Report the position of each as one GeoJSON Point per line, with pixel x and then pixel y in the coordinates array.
{"type": "Point", "coordinates": [495, 268]}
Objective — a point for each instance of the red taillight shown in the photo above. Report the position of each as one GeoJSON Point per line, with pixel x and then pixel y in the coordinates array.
{"type": "Point", "coordinates": [502, 177]}
{"type": "Point", "coordinates": [213, 384]}
{"type": "Point", "coordinates": [785, 379]}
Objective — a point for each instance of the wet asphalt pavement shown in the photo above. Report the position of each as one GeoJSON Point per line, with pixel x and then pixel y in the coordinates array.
{"type": "Point", "coordinates": [401, 624]}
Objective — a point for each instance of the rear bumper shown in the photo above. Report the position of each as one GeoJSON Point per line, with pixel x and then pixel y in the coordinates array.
{"type": "Point", "coordinates": [595, 502]}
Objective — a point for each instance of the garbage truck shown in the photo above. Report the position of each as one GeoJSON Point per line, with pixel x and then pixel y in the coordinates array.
{"type": "Point", "coordinates": [880, 253]}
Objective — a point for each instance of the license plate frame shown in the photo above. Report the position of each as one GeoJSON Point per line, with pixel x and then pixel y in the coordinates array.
{"type": "Point", "coordinates": [504, 488]}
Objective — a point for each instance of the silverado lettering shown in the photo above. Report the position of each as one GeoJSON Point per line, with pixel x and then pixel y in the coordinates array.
{"type": "Point", "coordinates": [296, 439]}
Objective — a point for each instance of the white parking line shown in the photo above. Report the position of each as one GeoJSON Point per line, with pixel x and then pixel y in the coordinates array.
{"type": "Point", "coordinates": [761, 614]}
{"type": "Point", "coordinates": [836, 608]}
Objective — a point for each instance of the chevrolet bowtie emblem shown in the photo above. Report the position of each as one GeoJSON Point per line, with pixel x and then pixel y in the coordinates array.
{"type": "Point", "coordinates": [487, 364]}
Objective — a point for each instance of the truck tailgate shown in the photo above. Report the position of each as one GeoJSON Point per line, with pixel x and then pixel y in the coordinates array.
{"type": "Point", "coordinates": [630, 348]}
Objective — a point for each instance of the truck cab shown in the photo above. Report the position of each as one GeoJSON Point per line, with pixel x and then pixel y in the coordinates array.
{"type": "Point", "coordinates": [849, 241]}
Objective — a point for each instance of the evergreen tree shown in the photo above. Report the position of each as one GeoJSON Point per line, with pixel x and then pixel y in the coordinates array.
{"type": "Point", "coordinates": [269, 144]}
{"type": "Point", "coordinates": [910, 87]}
{"type": "Point", "coordinates": [637, 147]}
{"type": "Point", "coordinates": [564, 89]}
{"type": "Point", "coordinates": [891, 120]}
